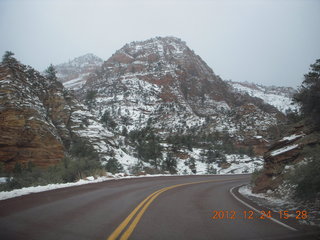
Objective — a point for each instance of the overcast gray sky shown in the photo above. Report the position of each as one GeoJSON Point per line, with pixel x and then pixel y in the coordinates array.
{"type": "Point", "coordinates": [272, 42]}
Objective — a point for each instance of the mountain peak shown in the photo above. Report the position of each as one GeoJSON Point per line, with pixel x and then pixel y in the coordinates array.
{"type": "Point", "coordinates": [159, 40]}
{"type": "Point", "coordinates": [162, 78]}
{"type": "Point", "coordinates": [85, 60]}
{"type": "Point", "coordinates": [161, 46]}
{"type": "Point", "coordinates": [75, 72]}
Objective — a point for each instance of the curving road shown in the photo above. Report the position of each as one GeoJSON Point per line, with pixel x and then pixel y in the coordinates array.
{"type": "Point", "coordinates": [177, 207]}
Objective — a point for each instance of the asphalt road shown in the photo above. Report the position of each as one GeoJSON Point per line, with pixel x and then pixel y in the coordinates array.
{"type": "Point", "coordinates": [171, 209]}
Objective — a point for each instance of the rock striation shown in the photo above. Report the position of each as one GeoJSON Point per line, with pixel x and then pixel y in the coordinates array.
{"type": "Point", "coordinates": [283, 154]}
{"type": "Point", "coordinates": [39, 118]}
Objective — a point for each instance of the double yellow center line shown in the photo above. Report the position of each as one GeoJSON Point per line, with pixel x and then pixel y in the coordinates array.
{"type": "Point", "coordinates": [140, 210]}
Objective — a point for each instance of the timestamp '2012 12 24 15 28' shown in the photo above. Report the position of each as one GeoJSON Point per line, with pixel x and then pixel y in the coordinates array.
{"type": "Point", "coordinates": [285, 214]}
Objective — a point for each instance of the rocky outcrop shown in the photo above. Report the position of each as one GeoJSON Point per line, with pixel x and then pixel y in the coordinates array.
{"type": "Point", "coordinates": [284, 153]}
{"type": "Point", "coordinates": [39, 119]}
{"type": "Point", "coordinates": [27, 132]}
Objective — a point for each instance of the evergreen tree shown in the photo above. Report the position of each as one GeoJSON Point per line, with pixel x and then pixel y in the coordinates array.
{"type": "Point", "coordinates": [8, 59]}
{"type": "Point", "coordinates": [192, 165]}
{"type": "Point", "coordinates": [211, 156]}
{"type": "Point", "coordinates": [170, 164]}
{"type": "Point", "coordinates": [51, 73]}
{"type": "Point", "coordinates": [308, 95]}
{"type": "Point", "coordinates": [114, 166]}
{"type": "Point", "coordinates": [124, 131]}
{"type": "Point", "coordinates": [107, 120]}
{"type": "Point", "coordinates": [90, 99]}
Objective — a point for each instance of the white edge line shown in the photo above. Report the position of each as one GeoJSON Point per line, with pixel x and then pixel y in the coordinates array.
{"type": "Point", "coordinates": [256, 210]}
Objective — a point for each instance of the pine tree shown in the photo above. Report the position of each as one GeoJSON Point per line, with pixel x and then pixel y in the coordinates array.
{"type": "Point", "coordinates": [51, 73]}
{"type": "Point", "coordinates": [90, 100]}
{"type": "Point", "coordinates": [8, 59]}
{"type": "Point", "coordinates": [124, 131]}
{"type": "Point", "coordinates": [192, 165]}
{"type": "Point", "coordinates": [170, 164]}
{"type": "Point", "coordinates": [308, 95]}
{"type": "Point", "coordinates": [211, 156]}
{"type": "Point", "coordinates": [114, 166]}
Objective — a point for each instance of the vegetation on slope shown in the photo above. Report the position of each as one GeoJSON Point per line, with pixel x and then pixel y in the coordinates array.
{"type": "Point", "coordinates": [299, 168]}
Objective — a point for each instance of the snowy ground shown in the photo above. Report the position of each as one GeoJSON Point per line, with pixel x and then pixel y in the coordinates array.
{"type": "Point", "coordinates": [237, 164]}
{"type": "Point", "coordinates": [284, 203]}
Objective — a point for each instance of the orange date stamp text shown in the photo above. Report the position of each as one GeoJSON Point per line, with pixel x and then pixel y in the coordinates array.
{"type": "Point", "coordinates": [249, 214]}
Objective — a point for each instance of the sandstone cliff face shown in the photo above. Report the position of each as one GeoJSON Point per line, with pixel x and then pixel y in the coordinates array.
{"type": "Point", "coordinates": [284, 153]}
{"type": "Point", "coordinates": [27, 133]}
{"type": "Point", "coordinates": [39, 119]}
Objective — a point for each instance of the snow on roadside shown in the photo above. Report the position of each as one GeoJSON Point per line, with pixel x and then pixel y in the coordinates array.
{"type": "Point", "coordinates": [264, 197]}
{"type": "Point", "coordinates": [28, 190]}
{"type": "Point", "coordinates": [285, 202]}
{"type": "Point", "coordinates": [36, 189]}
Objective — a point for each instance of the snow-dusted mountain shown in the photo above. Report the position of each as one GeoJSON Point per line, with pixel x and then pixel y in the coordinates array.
{"type": "Point", "coordinates": [73, 74]}
{"type": "Point", "coordinates": [279, 97]}
{"type": "Point", "coordinates": [157, 93]}
{"type": "Point", "coordinates": [162, 83]}
{"type": "Point", "coordinates": [152, 106]}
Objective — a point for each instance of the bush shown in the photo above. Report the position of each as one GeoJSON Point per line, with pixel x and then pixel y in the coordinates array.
{"type": "Point", "coordinates": [149, 151]}
{"type": "Point", "coordinates": [293, 116]}
{"type": "Point", "coordinates": [170, 164]}
{"type": "Point", "coordinates": [107, 120]}
{"type": "Point", "coordinates": [90, 99]}
{"type": "Point", "coordinates": [137, 169]}
{"type": "Point", "coordinates": [211, 170]}
{"type": "Point", "coordinates": [71, 170]}
{"type": "Point", "coordinates": [114, 166]}
{"type": "Point", "coordinates": [68, 170]}
{"type": "Point", "coordinates": [148, 146]}
{"type": "Point", "coordinates": [306, 176]}
{"type": "Point", "coordinates": [191, 163]}
{"type": "Point", "coordinates": [81, 148]}
{"type": "Point", "coordinates": [308, 184]}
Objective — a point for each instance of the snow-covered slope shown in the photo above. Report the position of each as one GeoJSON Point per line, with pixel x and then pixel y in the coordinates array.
{"type": "Point", "coordinates": [162, 83]}
{"type": "Point", "coordinates": [280, 97]}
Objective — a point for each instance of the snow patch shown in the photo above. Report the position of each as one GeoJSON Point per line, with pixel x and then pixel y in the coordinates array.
{"type": "Point", "coordinates": [283, 150]}
{"type": "Point", "coordinates": [292, 137]}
